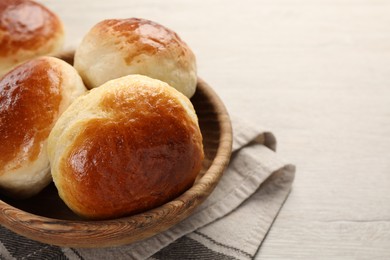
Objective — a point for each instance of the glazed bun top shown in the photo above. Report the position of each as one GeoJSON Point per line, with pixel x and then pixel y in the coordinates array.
{"type": "Point", "coordinates": [27, 30]}
{"type": "Point", "coordinates": [125, 147]}
{"type": "Point", "coordinates": [32, 96]}
{"type": "Point", "coordinates": [119, 47]}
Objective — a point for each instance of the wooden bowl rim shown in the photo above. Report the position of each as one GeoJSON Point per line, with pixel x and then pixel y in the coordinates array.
{"type": "Point", "coordinates": [125, 230]}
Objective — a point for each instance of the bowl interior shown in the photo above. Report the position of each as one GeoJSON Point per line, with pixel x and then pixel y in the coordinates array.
{"type": "Point", "coordinates": [48, 204]}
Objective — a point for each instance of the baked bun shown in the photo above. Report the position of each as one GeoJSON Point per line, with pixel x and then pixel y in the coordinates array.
{"type": "Point", "coordinates": [120, 47]}
{"type": "Point", "coordinates": [32, 96]}
{"type": "Point", "coordinates": [27, 30]}
{"type": "Point", "coordinates": [130, 145]}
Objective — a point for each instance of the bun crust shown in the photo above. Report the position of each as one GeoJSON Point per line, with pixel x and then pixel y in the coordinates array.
{"type": "Point", "coordinates": [32, 96]}
{"type": "Point", "coordinates": [27, 30]}
{"type": "Point", "coordinates": [120, 47]}
{"type": "Point", "coordinates": [128, 146]}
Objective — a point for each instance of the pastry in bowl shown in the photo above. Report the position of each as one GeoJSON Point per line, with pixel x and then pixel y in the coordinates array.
{"type": "Point", "coordinates": [27, 30]}
{"type": "Point", "coordinates": [32, 97]}
{"type": "Point", "coordinates": [128, 146]}
{"type": "Point", "coordinates": [119, 47]}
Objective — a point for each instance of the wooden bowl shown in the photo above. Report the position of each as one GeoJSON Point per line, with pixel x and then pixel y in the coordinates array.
{"type": "Point", "coordinates": [47, 219]}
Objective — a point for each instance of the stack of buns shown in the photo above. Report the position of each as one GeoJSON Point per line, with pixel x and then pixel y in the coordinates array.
{"type": "Point", "coordinates": [129, 144]}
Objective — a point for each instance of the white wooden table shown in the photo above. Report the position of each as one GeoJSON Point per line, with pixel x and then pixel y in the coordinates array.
{"type": "Point", "coordinates": [317, 74]}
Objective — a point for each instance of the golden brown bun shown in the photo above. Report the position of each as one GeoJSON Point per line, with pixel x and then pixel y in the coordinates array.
{"type": "Point", "coordinates": [125, 147]}
{"type": "Point", "coordinates": [32, 96]}
{"type": "Point", "coordinates": [27, 30]}
{"type": "Point", "coordinates": [116, 48]}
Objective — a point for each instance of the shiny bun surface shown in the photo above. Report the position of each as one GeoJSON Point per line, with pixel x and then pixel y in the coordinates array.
{"type": "Point", "coordinates": [125, 147]}
{"type": "Point", "coordinates": [32, 96]}
{"type": "Point", "coordinates": [27, 30]}
{"type": "Point", "coordinates": [119, 47]}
